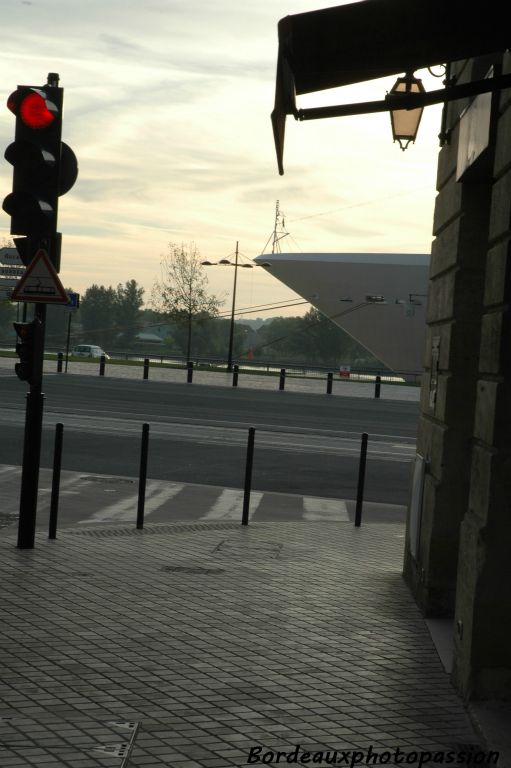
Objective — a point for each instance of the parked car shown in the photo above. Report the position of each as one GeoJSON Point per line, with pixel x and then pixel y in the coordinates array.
{"type": "Point", "coordinates": [89, 350]}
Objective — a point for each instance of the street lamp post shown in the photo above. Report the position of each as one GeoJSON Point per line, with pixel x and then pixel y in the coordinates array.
{"type": "Point", "coordinates": [231, 331]}
{"type": "Point", "coordinates": [226, 262]}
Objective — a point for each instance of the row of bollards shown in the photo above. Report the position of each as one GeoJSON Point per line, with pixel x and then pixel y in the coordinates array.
{"type": "Point", "coordinates": [235, 374]}
{"type": "Point", "coordinates": [144, 452]}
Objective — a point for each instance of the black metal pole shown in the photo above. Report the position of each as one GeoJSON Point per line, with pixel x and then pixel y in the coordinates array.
{"type": "Point", "coordinates": [377, 386]}
{"type": "Point", "coordinates": [142, 476]}
{"type": "Point", "coordinates": [189, 339]}
{"type": "Point", "coordinates": [189, 376]}
{"type": "Point", "coordinates": [235, 374]}
{"type": "Point", "coordinates": [68, 337]}
{"type": "Point", "coordinates": [361, 479]}
{"type": "Point", "coordinates": [55, 483]}
{"type": "Point", "coordinates": [102, 365]}
{"type": "Point", "coordinates": [329, 381]}
{"type": "Point", "coordinates": [32, 440]}
{"type": "Point", "coordinates": [282, 378]}
{"type": "Point", "coordinates": [60, 357]}
{"type": "Point", "coordinates": [231, 332]}
{"type": "Point", "coordinates": [248, 475]}
{"type": "Point", "coordinates": [146, 368]}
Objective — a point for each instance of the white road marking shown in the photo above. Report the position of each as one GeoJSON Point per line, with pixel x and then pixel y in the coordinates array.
{"type": "Point", "coordinates": [126, 509]}
{"type": "Point", "coordinates": [7, 469]}
{"type": "Point", "coordinates": [316, 508]}
{"type": "Point", "coordinates": [229, 505]}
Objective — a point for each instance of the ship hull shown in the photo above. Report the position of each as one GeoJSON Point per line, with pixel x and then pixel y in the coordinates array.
{"type": "Point", "coordinates": [379, 299]}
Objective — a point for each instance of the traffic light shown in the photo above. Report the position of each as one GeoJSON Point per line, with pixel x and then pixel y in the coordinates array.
{"type": "Point", "coordinates": [43, 166]}
{"type": "Point", "coordinates": [28, 337]}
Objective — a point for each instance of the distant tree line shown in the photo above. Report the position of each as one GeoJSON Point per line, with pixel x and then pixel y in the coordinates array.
{"type": "Point", "coordinates": [114, 319]}
{"type": "Point", "coordinates": [183, 320]}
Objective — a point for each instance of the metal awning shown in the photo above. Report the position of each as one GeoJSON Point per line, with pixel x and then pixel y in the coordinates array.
{"type": "Point", "coordinates": [375, 38]}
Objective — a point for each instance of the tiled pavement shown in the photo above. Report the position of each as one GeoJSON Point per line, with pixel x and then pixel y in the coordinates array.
{"type": "Point", "coordinates": [187, 645]}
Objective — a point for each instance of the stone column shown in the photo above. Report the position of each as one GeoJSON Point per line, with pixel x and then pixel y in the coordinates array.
{"type": "Point", "coordinates": [448, 393]}
{"type": "Point", "coordinates": [482, 651]}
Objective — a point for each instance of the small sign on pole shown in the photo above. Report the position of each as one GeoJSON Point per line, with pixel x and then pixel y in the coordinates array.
{"type": "Point", "coordinates": [74, 300]}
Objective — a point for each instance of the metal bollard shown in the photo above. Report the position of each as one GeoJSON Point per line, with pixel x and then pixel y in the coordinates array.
{"type": "Point", "coordinates": [361, 479]}
{"type": "Point", "coordinates": [146, 368]}
{"type": "Point", "coordinates": [235, 372]}
{"type": "Point", "coordinates": [330, 378]}
{"type": "Point", "coordinates": [248, 475]}
{"type": "Point", "coordinates": [102, 365]}
{"type": "Point", "coordinates": [189, 377]}
{"type": "Point", "coordinates": [282, 378]}
{"type": "Point", "coordinates": [377, 386]}
{"type": "Point", "coordinates": [142, 476]}
{"type": "Point", "coordinates": [55, 483]}
{"type": "Point", "coordinates": [60, 358]}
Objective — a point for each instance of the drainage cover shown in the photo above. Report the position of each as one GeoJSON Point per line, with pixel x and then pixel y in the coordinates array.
{"type": "Point", "coordinates": [103, 479]}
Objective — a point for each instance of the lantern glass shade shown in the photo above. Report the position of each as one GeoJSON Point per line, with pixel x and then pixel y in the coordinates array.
{"type": "Point", "coordinates": [405, 122]}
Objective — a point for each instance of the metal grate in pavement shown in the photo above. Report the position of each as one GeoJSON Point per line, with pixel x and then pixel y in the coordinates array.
{"type": "Point", "coordinates": [106, 479]}
{"type": "Point", "coordinates": [153, 529]}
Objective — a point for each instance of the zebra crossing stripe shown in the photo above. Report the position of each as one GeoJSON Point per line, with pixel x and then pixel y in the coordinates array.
{"type": "Point", "coordinates": [126, 509]}
{"type": "Point", "coordinates": [229, 505]}
{"type": "Point", "coordinates": [317, 508]}
{"type": "Point", "coordinates": [8, 469]}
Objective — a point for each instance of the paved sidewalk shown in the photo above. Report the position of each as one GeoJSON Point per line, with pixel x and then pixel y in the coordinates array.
{"type": "Point", "coordinates": [188, 645]}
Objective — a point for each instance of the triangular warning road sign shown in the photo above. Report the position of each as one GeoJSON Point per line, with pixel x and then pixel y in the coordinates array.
{"type": "Point", "coordinates": [40, 283]}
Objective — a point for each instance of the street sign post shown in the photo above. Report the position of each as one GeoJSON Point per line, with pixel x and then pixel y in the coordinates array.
{"type": "Point", "coordinates": [74, 304]}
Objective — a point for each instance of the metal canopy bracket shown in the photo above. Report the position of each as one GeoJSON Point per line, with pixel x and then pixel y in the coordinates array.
{"type": "Point", "coordinates": [366, 40]}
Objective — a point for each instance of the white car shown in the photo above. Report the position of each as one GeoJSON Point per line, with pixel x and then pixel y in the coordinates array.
{"type": "Point", "coordinates": [89, 350]}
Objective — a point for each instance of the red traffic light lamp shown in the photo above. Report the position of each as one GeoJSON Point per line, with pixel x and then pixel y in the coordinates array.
{"type": "Point", "coordinates": [32, 107]}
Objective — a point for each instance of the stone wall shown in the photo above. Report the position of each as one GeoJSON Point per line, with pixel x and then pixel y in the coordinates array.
{"type": "Point", "coordinates": [482, 658]}
{"type": "Point", "coordinates": [461, 568]}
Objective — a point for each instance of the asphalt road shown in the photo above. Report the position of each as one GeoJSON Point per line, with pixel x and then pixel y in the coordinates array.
{"type": "Point", "coordinates": [305, 443]}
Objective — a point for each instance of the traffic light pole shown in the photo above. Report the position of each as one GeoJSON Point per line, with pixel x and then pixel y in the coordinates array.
{"type": "Point", "coordinates": [44, 168]}
{"type": "Point", "coordinates": [32, 441]}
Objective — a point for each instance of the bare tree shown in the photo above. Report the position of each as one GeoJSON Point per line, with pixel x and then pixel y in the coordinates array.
{"type": "Point", "coordinates": [181, 294]}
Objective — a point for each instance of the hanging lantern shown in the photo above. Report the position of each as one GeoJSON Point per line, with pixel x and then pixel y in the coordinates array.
{"type": "Point", "coordinates": [405, 122]}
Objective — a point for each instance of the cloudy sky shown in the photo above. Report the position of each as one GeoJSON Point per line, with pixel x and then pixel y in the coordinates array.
{"type": "Point", "coordinates": [167, 106]}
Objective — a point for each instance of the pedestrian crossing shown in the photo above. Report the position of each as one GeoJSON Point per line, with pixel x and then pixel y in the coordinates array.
{"type": "Point", "coordinates": [87, 500]}
{"type": "Point", "coordinates": [178, 502]}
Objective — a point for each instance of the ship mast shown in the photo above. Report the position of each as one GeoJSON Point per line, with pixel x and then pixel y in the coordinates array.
{"type": "Point", "coordinates": [279, 231]}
